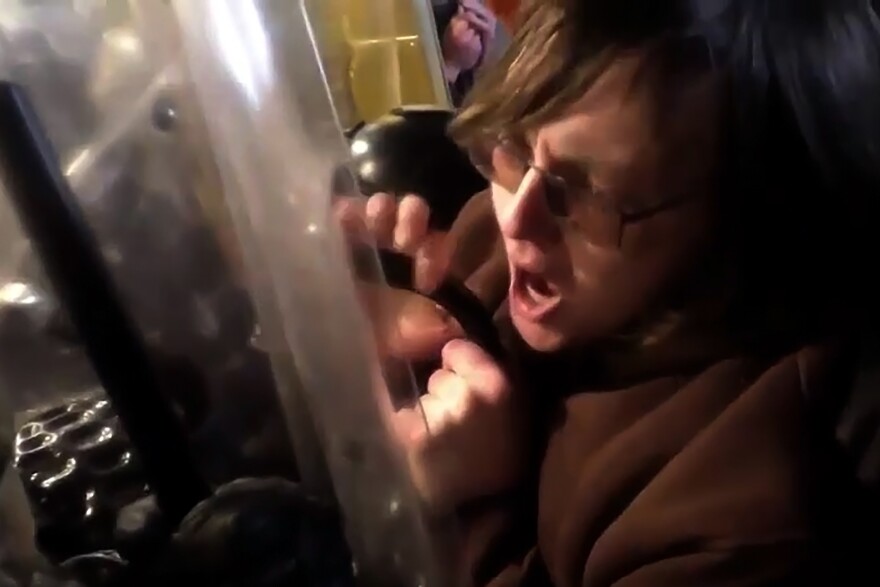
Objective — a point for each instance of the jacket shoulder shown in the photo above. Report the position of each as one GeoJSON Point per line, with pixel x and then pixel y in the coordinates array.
{"type": "Point", "coordinates": [756, 481]}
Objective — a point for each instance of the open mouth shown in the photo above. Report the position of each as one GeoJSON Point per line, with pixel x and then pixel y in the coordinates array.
{"type": "Point", "coordinates": [532, 296]}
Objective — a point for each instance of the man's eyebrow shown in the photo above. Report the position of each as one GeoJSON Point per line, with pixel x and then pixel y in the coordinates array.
{"type": "Point", "coordinates": [587, 163]}
{"type": "Point", "coordinates": [569, 150]}
{"type": "Point", "coordinates": [567, 164]}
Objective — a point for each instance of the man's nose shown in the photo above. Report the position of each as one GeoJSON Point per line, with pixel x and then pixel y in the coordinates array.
{"type": "Point", "coordinates": [525, 215]}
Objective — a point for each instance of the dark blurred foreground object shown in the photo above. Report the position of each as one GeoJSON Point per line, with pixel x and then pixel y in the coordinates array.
{"type": "Point", "coordinates": [408, 151]}
{"type": "Point", "coordinates": [79, 472]}
{"type": "Point", "coordinates": [97, 521]}
{"type": "Point", "coordinates": [257, 533]}
{"type": "Point", "coordinates": [38, 579]}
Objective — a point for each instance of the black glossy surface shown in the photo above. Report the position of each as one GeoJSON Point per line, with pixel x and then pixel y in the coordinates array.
{"type": "Point", "coordinates": [79, 471]}
{"type": "Point", "coordinates": [94, 513]}
{"type": "Point", "coordinates": [409, 152]}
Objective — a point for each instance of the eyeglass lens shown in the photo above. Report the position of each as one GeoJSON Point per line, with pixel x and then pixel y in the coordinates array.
{"type": "Point", "coordinates": [506, 165]}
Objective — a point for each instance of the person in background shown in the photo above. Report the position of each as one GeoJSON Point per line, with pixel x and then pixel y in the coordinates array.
{"type": "Point", "coordinates": [469, 38]}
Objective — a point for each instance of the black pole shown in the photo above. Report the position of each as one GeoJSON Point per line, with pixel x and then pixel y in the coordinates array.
{"type": "Point", "coordinates": [53, 220]}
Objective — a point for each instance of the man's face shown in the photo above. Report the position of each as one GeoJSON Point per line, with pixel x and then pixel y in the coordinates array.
{"type": "Point", "coordinates": [630, 139]}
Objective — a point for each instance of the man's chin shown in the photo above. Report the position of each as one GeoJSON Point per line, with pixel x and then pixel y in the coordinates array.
{"type": "Point", "coordinates": [540, 337]}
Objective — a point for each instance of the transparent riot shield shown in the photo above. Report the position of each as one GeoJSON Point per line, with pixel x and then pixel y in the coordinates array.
{"type": "Point", "coordinates": [193, 380]}
{"type": "Point", "coordinates": [263, 88]}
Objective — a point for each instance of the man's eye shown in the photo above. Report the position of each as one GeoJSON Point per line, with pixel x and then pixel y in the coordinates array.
{"type": "Point", "coordinates": [579, 183]}
{"type": "Point", "coordinates": [574, 175]}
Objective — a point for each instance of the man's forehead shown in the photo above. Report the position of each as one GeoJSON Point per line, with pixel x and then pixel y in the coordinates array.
{"type": "Point", "coordinates": [627, 103]}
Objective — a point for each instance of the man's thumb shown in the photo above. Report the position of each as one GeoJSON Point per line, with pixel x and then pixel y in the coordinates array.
{"type": "Point", "coordinates": [422, 330]}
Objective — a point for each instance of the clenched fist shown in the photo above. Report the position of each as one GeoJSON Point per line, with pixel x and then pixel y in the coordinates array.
{"type": "Point", "coordinates": [465, 439]}
{"type": "Point", "coordinates": [468, 438]}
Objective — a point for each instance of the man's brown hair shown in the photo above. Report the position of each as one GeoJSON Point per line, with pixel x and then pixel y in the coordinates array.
{"type": "Point", "coordinates": [530, 83]}
{"type": "Point", "coordinates": [561, 47]}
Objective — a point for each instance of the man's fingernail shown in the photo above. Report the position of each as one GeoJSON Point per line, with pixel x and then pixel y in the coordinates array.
{"type": "Point", "coordinates": [425, 281]}
{"type": "Point", "coordinates": [444, 315]}
{"type": "Point", "coordinates": [413, 328]}
{"type": "Point", "coordinates": [402, 236]}
{"type": "Point", "coordinates": [430, 271]}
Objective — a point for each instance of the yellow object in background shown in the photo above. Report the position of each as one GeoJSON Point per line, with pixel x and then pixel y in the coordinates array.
{"type": "Point", "coordinates": [394, 55]}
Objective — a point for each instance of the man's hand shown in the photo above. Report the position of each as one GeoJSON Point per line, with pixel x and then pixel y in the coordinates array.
{"type": "Point", "coordinates": [400, 226]}
{"type": "Point", "coordinates": [466, 438]}
{"type": "Point", "coordinates": [481, 18]}
{"type": "Point", "coordinates": [408, 326]}
{"type": "Point", "coordinates": [462, 45]}
{"type": "Point", "coordinates": [473, 443]}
